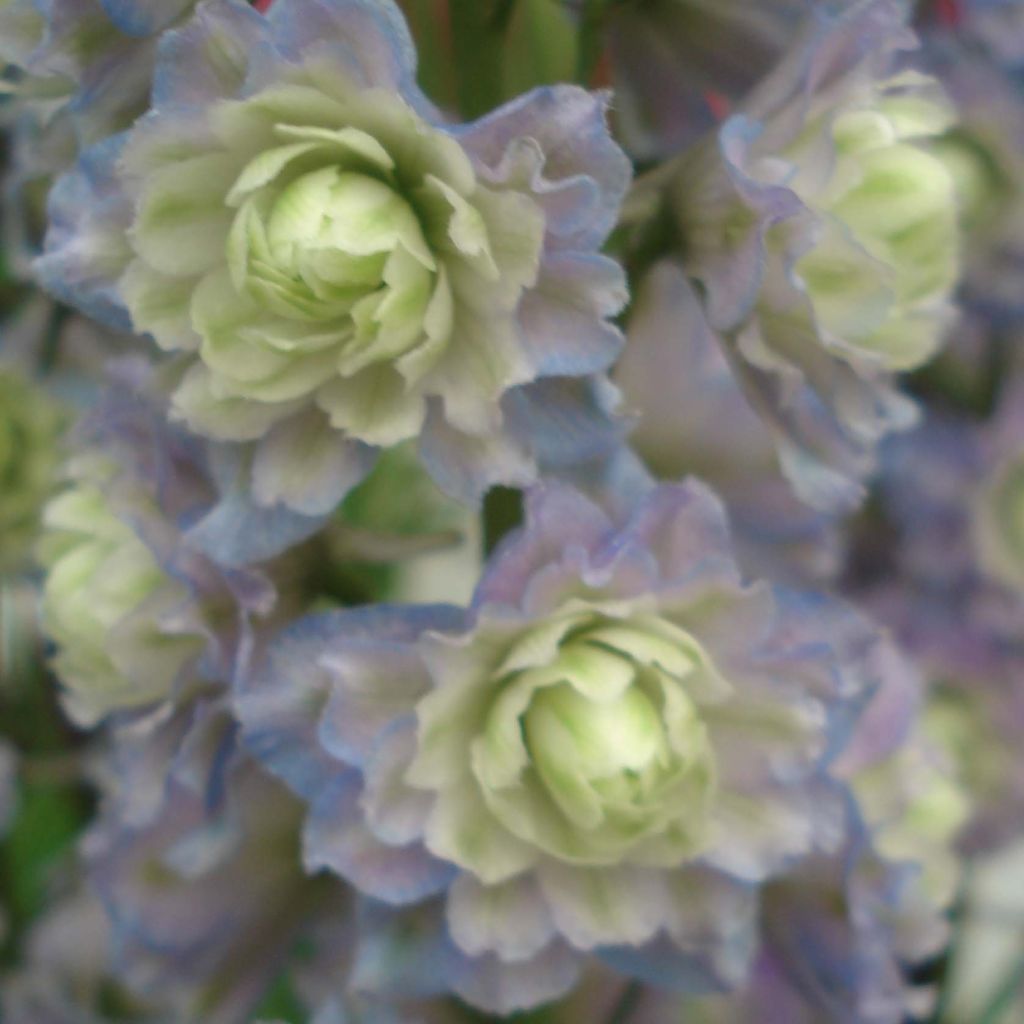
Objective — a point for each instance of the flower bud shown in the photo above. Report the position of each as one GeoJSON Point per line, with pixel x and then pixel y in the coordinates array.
{"type": "Point", "coordinates": [109, 606]}
{"type": "Point", "coordinates": [999, 525]}
{"type": "Point", "coordinates": [895, 202]}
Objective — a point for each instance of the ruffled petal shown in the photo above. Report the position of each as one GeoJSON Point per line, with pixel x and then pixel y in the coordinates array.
{"type": "Point", "coordinates": [511, 920]}
{"type": "Point", "coordinates": [336, 837]}
{"type": "Point", "coordinates": [86, 248]}
{"type": "Point", "coordinates": [238, 532]}
{"type": "Point", "coordinates": [569, 126]}
{"type": "Point", "coordinates": [610, 906]}
{"type": "Point", "coordinates": [208, 58]}
{"type": "Point", "coordinates": [369, 37]}
{"type": "Point", "coordinates": [305, 465]}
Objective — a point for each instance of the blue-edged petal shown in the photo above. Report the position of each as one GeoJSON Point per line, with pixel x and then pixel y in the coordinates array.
{"type": "Point", "coordinates": [86, 248]}
{"type": "Point", "coordinates": [308, 689]}
{"type": "Point", "coordinates": [500, 987]}
{"type": "Point", "coordinates": [408, 953]}
{"type": "Point", "coordinates": [558, 519]}
{"type": "Point", "coordinates": [303, 462]}
{"type": "Point", "coordinates": [208, 58]}
{"type": "Point", "coordinates": [337, 837]}
{"type": "Point", "coordinates": [565, 422]}
{"type": "Point", "coordinates": [684, 526]}
{"type": "Point", "coordinates": [550, 117]}
{"type": "Point", "coordinates": [369, 38]}
{"type": "Point", "coordinates": [279, 706]}
{"type": "Point", "coordinates": [144, 17]}
{"type": "Point", "coordinates": [564, 319]}
{"type": "Point", "coordinates": [465, 466]}
{"type": "Point", "coordinates": [237, 531]}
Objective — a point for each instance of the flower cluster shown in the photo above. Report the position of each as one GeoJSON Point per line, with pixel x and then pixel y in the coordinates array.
{"type": "Point", "coordinates": [448, 447]}
{"type": "Point", "coordinates": [954, 596]}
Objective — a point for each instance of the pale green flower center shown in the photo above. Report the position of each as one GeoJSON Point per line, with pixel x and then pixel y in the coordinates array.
{"type": "Point", "coordinates": [110, 653]}
{"type": "Point", "coordinates": [603, 750]}
{"type": "Point", "coordinates": [617, 739]}
{"type": "Point", "coordinates": [337, 244]}
{"type": "Point", "coordinates": [331, 247]}
{"type": "Point", "coordinates": [885, 260]}
{"type": "Point", "coordinates": [102, 570]}
{"type": "Point", "coordinates": [964, 730]}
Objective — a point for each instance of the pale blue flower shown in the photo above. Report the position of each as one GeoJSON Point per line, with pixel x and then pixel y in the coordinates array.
{"type": "Point", "coordinates": [208, 901]}
{"type": "Point", "coordinates": [341, 269]}
{"type": "Point", "coordinates": [581, 764]}
{"type": "Point", "coordinates": [823, 232]}
{"type": "Point", "coordinates": [139, 612]}
{"type": "Point", "coordinates": [951, 593]}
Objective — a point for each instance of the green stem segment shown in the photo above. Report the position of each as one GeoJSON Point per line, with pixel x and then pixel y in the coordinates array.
{"type": "Point", "coordinates": [478, 35]}
{"type": "Point", "coordinates": [591, 39]}
{"type": "Point", "coordinates": [627, 1004]}
{"type": "Point", "coordinates": [1006, 995]}
{"type": "Point", "coordinates": [959, 914]}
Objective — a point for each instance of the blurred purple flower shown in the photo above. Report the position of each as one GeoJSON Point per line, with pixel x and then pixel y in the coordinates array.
{"type": "Point", "coordinates": [823, 234]}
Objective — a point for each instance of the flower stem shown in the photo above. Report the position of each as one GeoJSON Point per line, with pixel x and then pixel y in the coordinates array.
{"type": "Point", "coordinates": [628, 1002]}
{"type": "Point", "coordinates": [959, 914]}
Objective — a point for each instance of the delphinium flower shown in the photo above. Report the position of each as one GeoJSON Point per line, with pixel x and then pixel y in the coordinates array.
{"type": "Point", "coordinates": [843, 935]}
{"type": "Point", "coordinates": [30, 427]}
{"type": "Point", "coordinates": [984, 151]}
{"type": "Point", "coordinates": [139, 616]}
{"type": "Point", "coordinates": [208, 900]}
{"type": "Point", "coordinates": [605, 756]}
{"type": "Point", "coordinates": [64, 976]}
{"type": "Point", "coordinates": [692, 418]}
{"type": "Point", "coordinates": [195, 851]}
{"type": "Point", "coordinates": [148, 630]}
{"type": "Point", "coordinates": [89, 61]}
{"type": "Point", "coordinates": [623, 777]}
{"type": "Point", "coordinates": [823, 234]}
{"type": "Point", "coordinates": [950, 592]}
{"type": "Point", "coordinates": [342, 270]}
